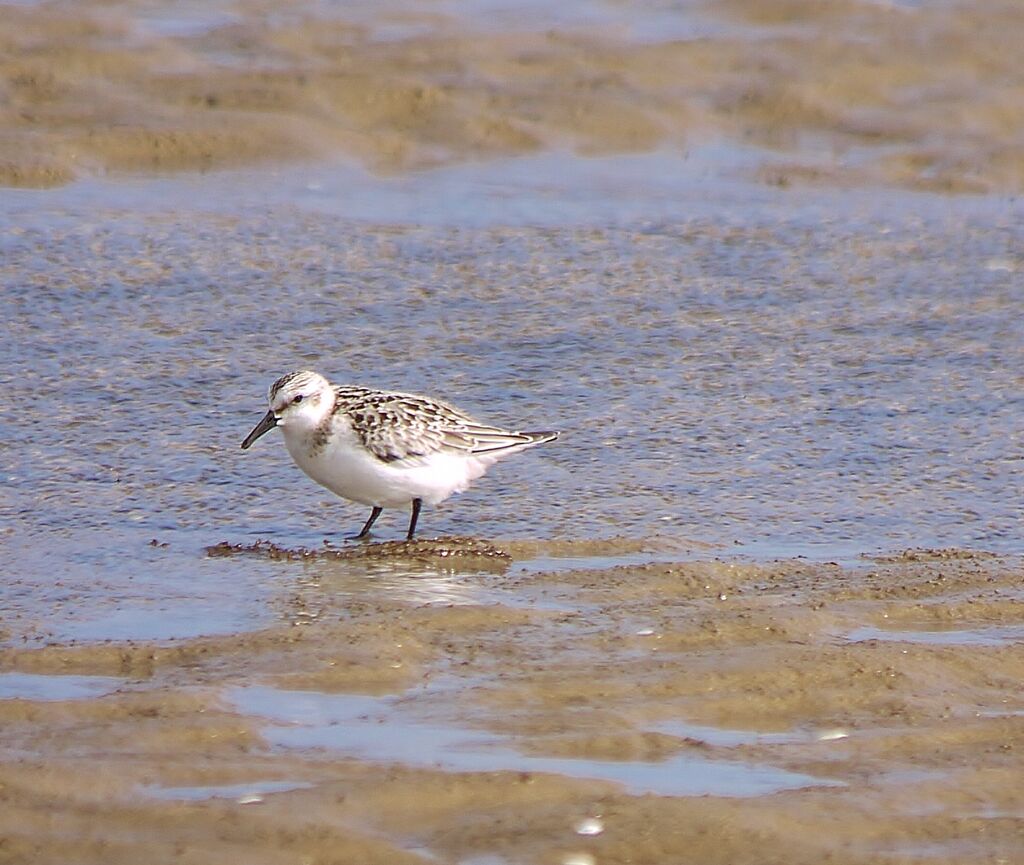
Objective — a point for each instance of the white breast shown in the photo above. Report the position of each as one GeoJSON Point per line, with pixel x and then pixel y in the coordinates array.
{"type": "Point", "coordinates": [347, 469]}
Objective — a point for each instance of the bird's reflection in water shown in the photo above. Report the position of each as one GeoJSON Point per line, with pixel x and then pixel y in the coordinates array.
{"type": "Point", "coordinates": [404, 582]}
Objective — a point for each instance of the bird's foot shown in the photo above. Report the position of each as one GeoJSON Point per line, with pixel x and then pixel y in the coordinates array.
{"type": "Point", "coordinates": [362, 536]}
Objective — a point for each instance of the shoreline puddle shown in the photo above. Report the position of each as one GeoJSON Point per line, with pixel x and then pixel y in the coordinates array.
{"type": "Point", "coordinates": [376, 729]}
{"type": "Point", "coordinates": [723, 737]}
{"type": "Point", "coordinates": [55, 687]}
{"type": "Point", "coordinates": [987, 635]}
{"type": "Point", "coordinates": [245, 794]}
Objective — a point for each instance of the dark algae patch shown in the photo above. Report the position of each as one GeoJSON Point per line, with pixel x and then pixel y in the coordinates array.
{"type": "Point", "coordinates": [420, 550]}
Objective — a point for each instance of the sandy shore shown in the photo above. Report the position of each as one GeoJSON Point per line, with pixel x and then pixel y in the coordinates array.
{"type": "Point", "coordinates": [891, 687]}
{"type": "Point", "coordinates": [848, 92]}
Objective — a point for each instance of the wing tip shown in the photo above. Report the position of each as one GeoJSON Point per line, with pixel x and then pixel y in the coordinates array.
{"type": "Point", "coordinates": [538, 438]}
{"type": "Point", "coordinates": [518, 441]}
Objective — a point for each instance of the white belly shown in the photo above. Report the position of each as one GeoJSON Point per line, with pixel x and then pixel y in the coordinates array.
{"type": "Point", "coordinates": [352, 472]}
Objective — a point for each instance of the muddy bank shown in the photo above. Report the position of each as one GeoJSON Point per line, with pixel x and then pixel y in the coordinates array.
{"type": "Point", "coordinates": [848, 92]}
{"type": "Point", "coordinates": [863, 714]}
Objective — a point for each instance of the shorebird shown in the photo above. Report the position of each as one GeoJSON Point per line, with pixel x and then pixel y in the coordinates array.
{"type": "Point", "coordinates": [380, 448]}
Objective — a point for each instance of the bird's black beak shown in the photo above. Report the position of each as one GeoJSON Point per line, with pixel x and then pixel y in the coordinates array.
{"type": "Point", "coordinates": [264, 426]}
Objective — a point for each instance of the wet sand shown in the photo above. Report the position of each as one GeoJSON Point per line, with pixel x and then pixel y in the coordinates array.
{"type": "Point", "coordinates": [846, 93]}
{"type": "Point", "coordinates": [889, 688]}
{"type": "Point", "coordinates": [747, 369]}
{"type": "Point", "coordinates": [700, 705]}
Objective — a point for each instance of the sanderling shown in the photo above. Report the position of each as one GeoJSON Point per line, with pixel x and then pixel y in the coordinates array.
{"type": "Point", "coordinates": [380, 448]}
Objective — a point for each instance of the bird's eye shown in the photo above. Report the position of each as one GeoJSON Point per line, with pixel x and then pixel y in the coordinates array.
{"type": "Point", "coordinates": [297, 399]}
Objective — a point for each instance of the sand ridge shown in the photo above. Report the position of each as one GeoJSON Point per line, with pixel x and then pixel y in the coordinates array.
{"type": "Point", "coordinates": [842, 93]}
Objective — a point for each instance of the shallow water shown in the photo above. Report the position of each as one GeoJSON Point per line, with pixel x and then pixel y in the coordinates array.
{"type": "Point", "coordinates": [992, 635]}
{"type": "Point", "coordinates": [375, 728]}
{"type": "Point", "coordinates": [781, 372]}
{"type": "Point", "coordinates": [31, 686]}
{"type": "Point", "coordinates": [245, 794]}
{"type": "Point", "coordinates": [725, 738]}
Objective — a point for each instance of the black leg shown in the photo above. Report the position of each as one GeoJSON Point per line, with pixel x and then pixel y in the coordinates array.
{"type": "Point", "coordinates": [416, 505]}
{"type": "Point", "coordinates": [365, 533]}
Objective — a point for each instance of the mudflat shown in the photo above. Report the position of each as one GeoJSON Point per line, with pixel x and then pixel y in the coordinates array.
{"type": "Point", "coordinates": [920, 96]}
{"type": "Point", "coordinates": [704, 710]}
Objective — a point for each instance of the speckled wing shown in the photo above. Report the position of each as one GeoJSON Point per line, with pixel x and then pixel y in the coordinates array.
{"type": "Point", "coordinates": [401, 426]}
